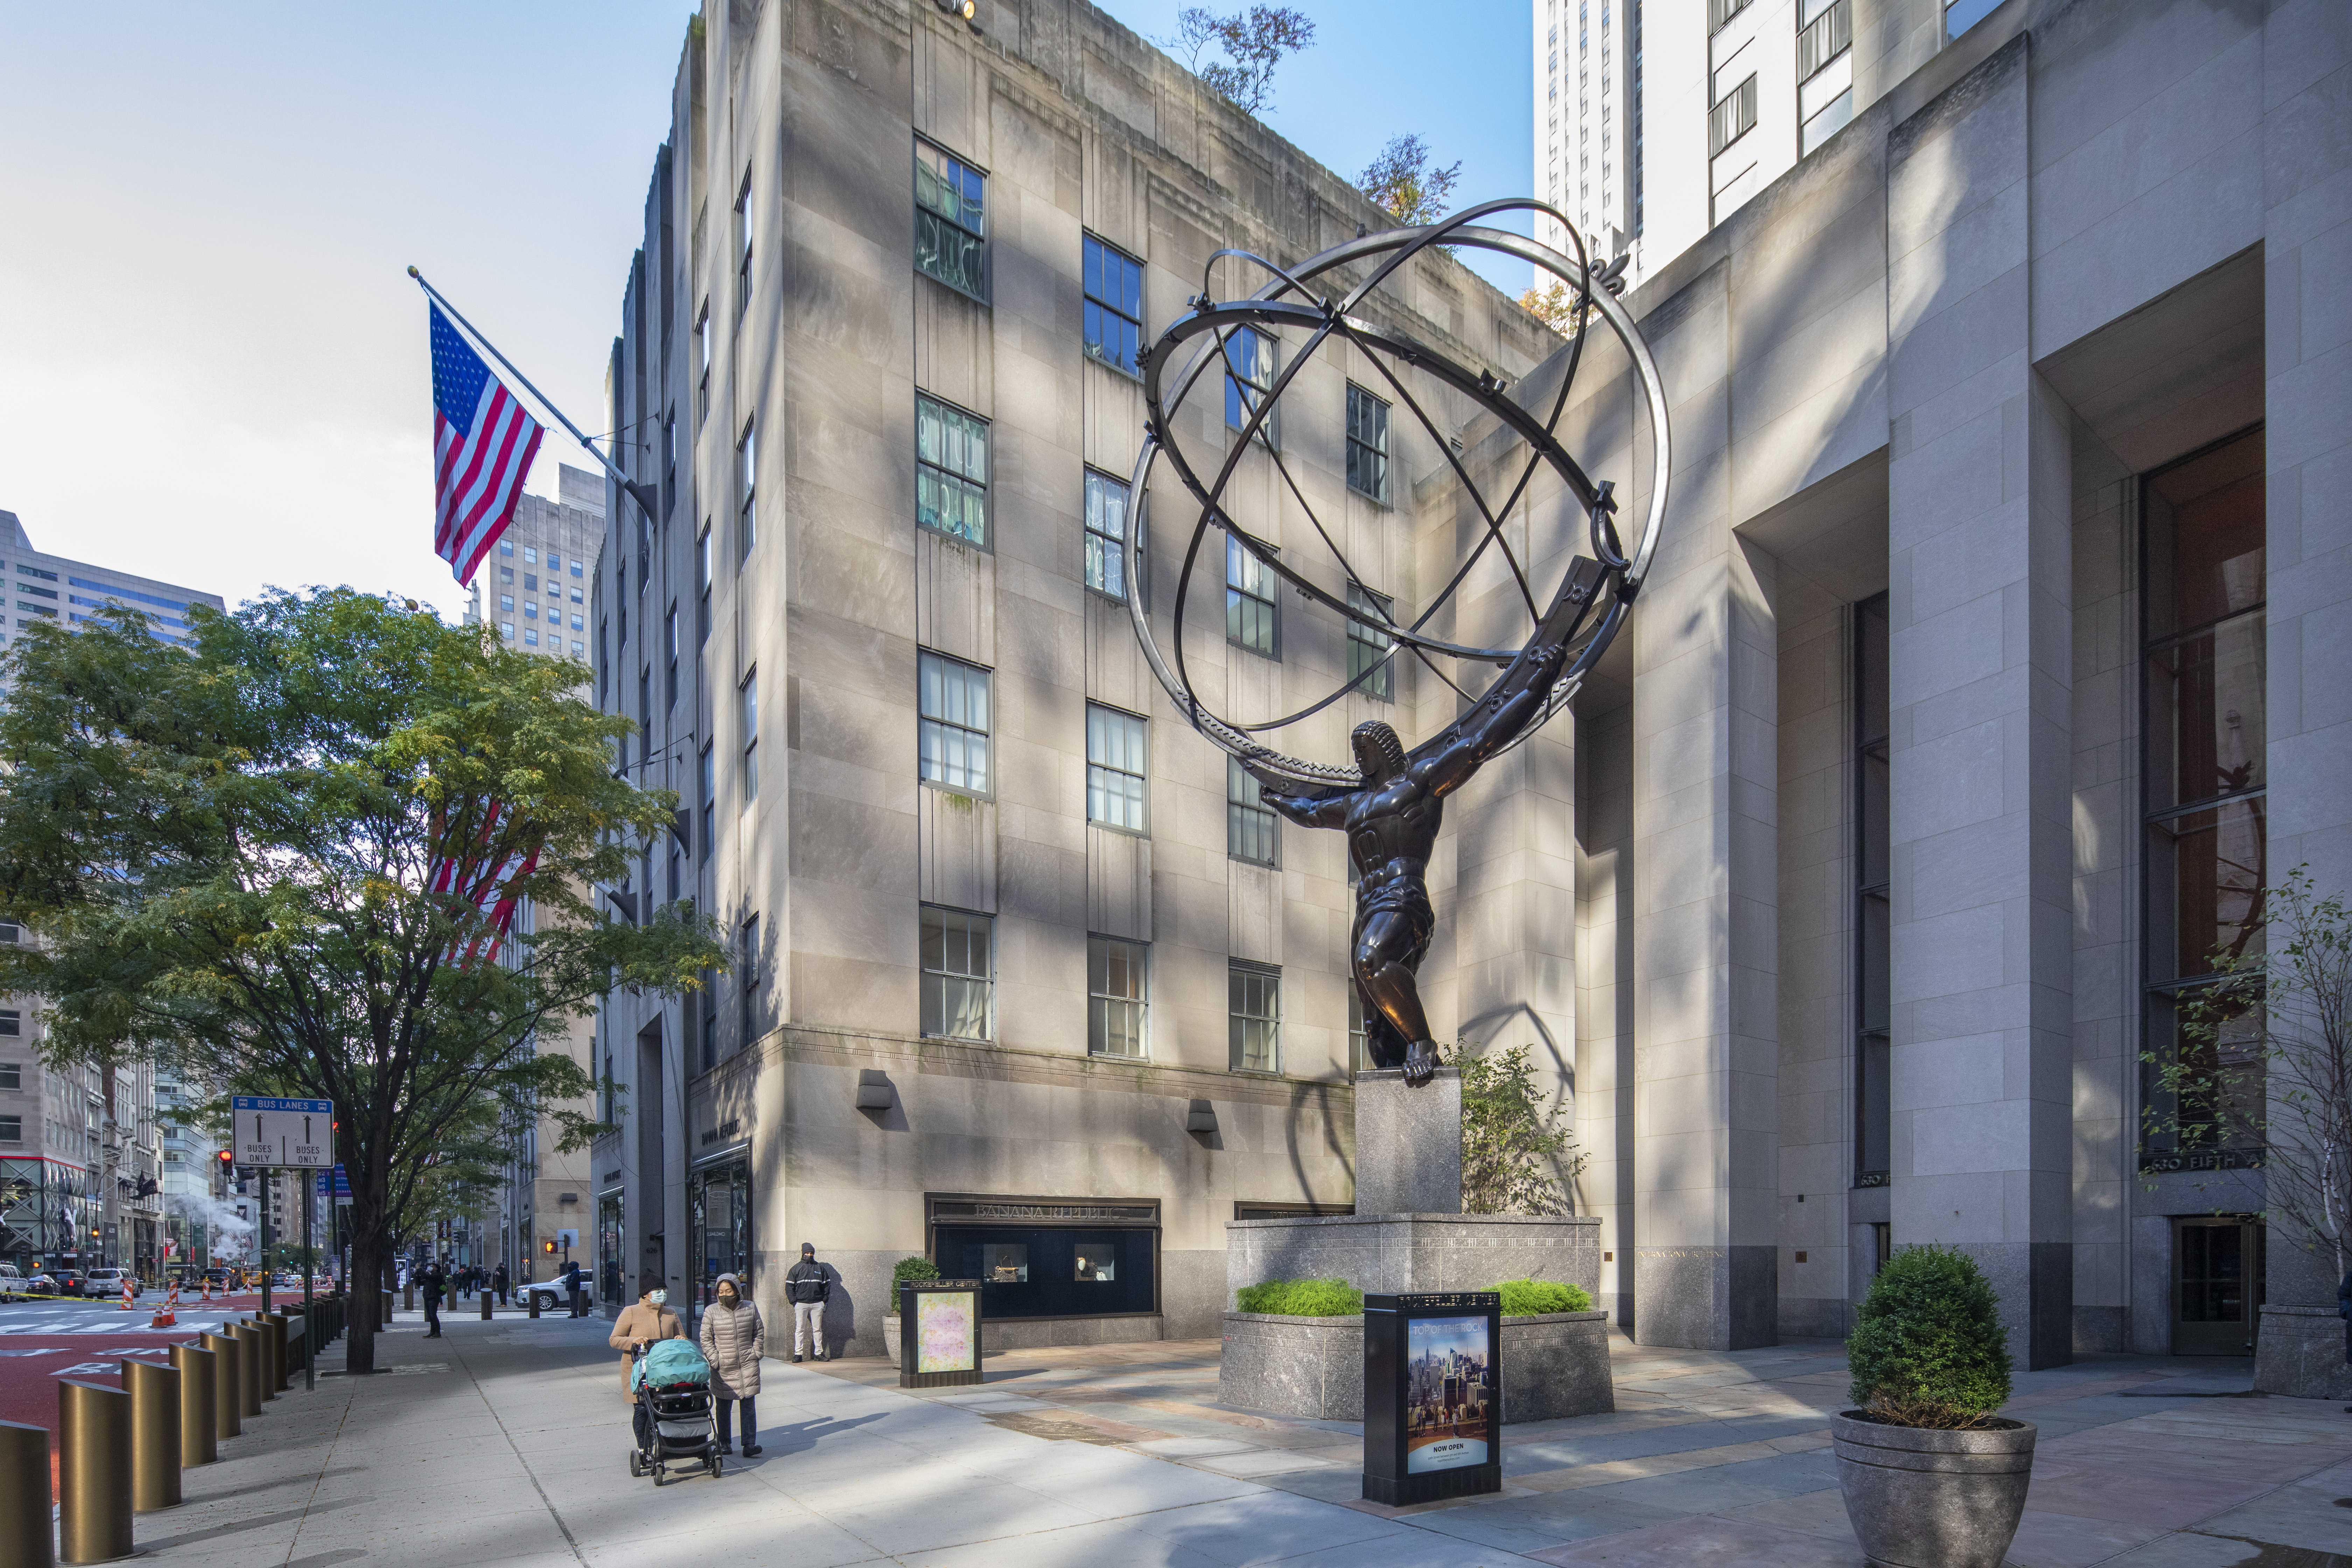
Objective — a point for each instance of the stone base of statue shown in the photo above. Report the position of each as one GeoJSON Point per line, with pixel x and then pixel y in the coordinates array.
{"type": "Point", "coordinates": [1407, 1235]}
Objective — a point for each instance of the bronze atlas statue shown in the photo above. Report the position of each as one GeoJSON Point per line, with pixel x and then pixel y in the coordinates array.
{"type": "Point", "coordinates": [1391, 804]}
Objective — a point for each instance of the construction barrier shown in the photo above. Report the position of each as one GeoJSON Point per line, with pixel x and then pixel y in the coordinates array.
{"type": "Point", "coordinates": [199, 1430]}
{"type": "Point", "coordinates": [93, 1472]}
{"type": "Point", "coordinates": [154, 1434]}
{"type": "Point", "coordinates": [25, 1539]}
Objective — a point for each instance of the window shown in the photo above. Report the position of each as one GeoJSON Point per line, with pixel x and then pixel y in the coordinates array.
{"type": "Point", "coordinates": [701, 367]}
{"type": "Point", "coordinates": [506, 603]}
{"type": "Point", "coordinates": [12, 1023]}
{"type": "Point", "coordinates": [1116, 770]}
{"type": "Point", "coordinates": [1824, 70]}
{"type": "Point", "coordinates": [576, 572]}
{"type": "Point", "coordinates": [1249, 601]}
{"type": "Point", "coordinates": [746, 480]}
{"type": "Point", "coordinates": [530, 583]}
{"type": "Point", "coordinates": [644, 715]}
{"type": "Point", "coordinates": [1872, 847]}
{"type": "Point", "coordinates": [1718, 11]}
{"type": "Point", "coordinates": [1254, 1005]}
{"type": "Point", "coordinates": [12, 1129]}
{"type": "Point", "coordinates": [950, 236]}
{"type": "Point", "coordinates": [1959, 15]}
{"type": "Point", "coordinates": [710, 1022]}
{"type": "Point", "coordinates": [701, 587]}
{"type": "Point", "coordinates": [1355, 1030]}
{"type": "Point", "coordinates": [951, 471]}
{"type": "Point", "coordinates": [743, 248]}
{"type": "Point", "coordinates": [531, 637]}
{"type": "Point", "coordinates": [669, 645]}
{"type": "Point", "coordinates": [708, 778]}
{"type": "Point", "coordinates": [751, 711]}
{"type": "Point", "coordinates": [1105, 536]}
{"type": "Point", "coordinates": [747, 974]}
{"type": "Point", "coordinates": [530, 612]}
{"type": "Point", "coordinates": [1733, 116]}
{"type": "Point", "coordinates": [1250, 829]}
{"type": "Point", "coordinates": [1117, 992]}
{"type": "Point", "coordinates": [958, 1000]}
{"type": "Point", "coordinates": [952, 723]}
{"type": "Point", "coordinates": [1368, 444]}
{"type": "Point", "coordinates": [2204, 740]}
{"type": "Point", "coordinates": [1249, 380]}
{"type": "Point", "coordinates": [1370, 663]}
{"type": "Point", "coordinates": [1114, 286]}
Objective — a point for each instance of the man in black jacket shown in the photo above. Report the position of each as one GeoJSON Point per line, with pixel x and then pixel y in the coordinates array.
{"type": "Point", "coordinates": [808, 1286]}
{"type": "Point", "coordinates": [434, 1283]}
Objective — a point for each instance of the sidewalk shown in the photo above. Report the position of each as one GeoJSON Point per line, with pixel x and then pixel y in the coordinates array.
{"type": "Point", "coordinates": [506, 1443]}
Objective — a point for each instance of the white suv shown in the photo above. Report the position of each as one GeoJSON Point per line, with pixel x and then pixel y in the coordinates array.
{"type": "Point", "coordinates": [13, 1286]}
{"type": "Point", "coordinates": [105, 1284]}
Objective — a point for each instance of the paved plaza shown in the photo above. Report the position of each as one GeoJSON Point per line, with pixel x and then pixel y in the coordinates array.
{"type": "Point", "coordinates": [506, 1443]}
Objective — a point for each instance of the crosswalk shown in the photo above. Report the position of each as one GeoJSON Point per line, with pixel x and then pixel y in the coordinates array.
{"type": "Point", "coordinates": [90, 1322]}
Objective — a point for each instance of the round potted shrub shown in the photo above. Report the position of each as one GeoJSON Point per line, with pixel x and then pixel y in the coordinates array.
{"type": "Point", "coordinates": [906, 1269]}
{"type": "Point", "coordinates": [1932, 1477]}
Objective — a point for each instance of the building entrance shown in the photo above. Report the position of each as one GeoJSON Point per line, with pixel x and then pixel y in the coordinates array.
{"type": "Point", "coordinates": [2216, 1295]}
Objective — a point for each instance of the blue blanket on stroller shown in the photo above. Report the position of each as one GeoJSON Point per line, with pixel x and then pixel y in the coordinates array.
{"type": "Point", "coordinates": [668, 1362]}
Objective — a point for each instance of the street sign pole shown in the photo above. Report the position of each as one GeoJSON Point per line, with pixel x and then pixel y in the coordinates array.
{"type": "Point", "coordinates": [263, 1204]}
{"type": "Point", "coordinates": [310, 1323]}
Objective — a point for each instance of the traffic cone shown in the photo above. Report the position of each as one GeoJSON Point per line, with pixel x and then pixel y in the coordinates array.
{"type": "Point", "coordinates": [126, 1292]}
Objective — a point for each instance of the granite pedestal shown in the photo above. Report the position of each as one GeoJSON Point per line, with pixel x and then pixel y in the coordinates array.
{"type": "Point", "coordinates": [1554, 1365]}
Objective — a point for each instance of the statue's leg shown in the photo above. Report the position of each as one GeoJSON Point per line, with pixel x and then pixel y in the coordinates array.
{"type": "Point", "coordinates": [1389, 947]}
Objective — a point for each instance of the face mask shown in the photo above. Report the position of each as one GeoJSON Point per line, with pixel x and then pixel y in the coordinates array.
{"type": "Point", "coordinates": [659, 1297]}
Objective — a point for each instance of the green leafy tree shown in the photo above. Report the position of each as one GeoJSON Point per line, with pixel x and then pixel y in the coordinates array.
{"type": "Point", "coordinates": [1405, 179]}
{"type": "Point", "coordinates": [1253, 42]}
{"type": "Point", "coordinates": [1516, 1155]}
{"type": "Point", "coordinates": [1928, 1349]}
{"type": "Point", "coordinates": [228, 854]}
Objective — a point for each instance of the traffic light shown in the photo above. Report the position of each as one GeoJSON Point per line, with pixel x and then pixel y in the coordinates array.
{"type": "Point", "coordinates": [547, 1247]}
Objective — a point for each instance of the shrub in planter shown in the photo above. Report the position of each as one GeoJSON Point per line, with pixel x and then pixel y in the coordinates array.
{"type": "Point", "coordinates": [1931, 1476]}
{"type": "Point", "coordinates": [1302, 1299]}
{"type": "Point", "coordinates": [1535, 1298]}
{"type": "Point", "coordinates": [906, 1269]}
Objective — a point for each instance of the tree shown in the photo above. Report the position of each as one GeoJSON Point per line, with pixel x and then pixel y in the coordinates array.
{"type": "Point", "coordinates": [2265, 1062]}
{"type": "Point", "coordinates": [1405, 181]}
{"type": "Point", "coordinates": [1555, 307]}
{"type": "Point", "coordinates": [273, 860]}
{"type": "Point", "coordinates": [1254, 41]}
{"type": "Point", "coordinates": [1516, 1156]}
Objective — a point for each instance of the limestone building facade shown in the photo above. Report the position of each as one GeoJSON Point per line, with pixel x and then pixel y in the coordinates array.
{"type": "Point", "coordinates": [1982, 683]}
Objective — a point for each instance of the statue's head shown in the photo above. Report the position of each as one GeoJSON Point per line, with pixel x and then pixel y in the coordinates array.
{"type": "Point", "coordinates": [1380, 755]}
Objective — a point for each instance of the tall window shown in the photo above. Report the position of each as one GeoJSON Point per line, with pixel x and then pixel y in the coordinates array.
{"type": "Point", "coordinates": [1253, 1008]}
{"type": "Point", "coordinates": [744, 248]}
{"type": "Point", "coordinates": [958, 976]}
{"type": "Point", "coordinates": [747, 484]}
{"type": "Point", "coordinates": [702, 586]}
{"type": "Point", "coordinates": [2203, 745]}
{"type": "Point", "coordinates": [1872, 858]}
{"type": "Point", "coordinates": [1824, 70]}
{"type": "Point", "coordinates": [644, 714]}
{"type": "Point", "coordinates": [952, 723]}
{"type": "Point", "coordinates": [1116, 995]}
{"type": "Point", "coordinates": [710, 1024]}
{"type": "Point", "coordinates": [1116, 768]}
{"type": "Point", "coordinates": [1250, 829]}
{"type": "Point", "coordinates": [750, 721]}
{"type": "Point", "coordinates": [747, 975]}
{"type": "Point", "coordinates": [1249, 380]}
{"type": "Point", "coordinates": [1105, 536]}
{"type": "Point", "coordinates": [669, 649]}
{"type": "Point", "coordinates": [951, 471]}
{"type": "Point", "coordinates": [1368, 444]}
{"type": "Point", "coordinates": [1249, 601]}
{"type": "Point", "coordinates": [951, 236]}
{"type": "Point", "coordinates": [1355, 1029]}
{"type": "Point", "coordinates": [702, 364]}
{"type": "Point", "coordinates": [708, 778]}
{"type": "Point", "coordinates": [1369, 663]}
{"type": "Point", "coordinates": [1114, 287]}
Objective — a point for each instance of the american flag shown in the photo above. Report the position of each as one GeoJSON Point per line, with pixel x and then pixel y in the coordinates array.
{"type": "Point", "coordinates": [482, 445]}
{"type": "Point", "coordinates": [488, 886]}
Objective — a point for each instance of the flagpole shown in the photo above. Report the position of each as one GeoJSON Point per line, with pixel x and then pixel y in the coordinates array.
{"type": "Point", "coordinates": [641, 494]}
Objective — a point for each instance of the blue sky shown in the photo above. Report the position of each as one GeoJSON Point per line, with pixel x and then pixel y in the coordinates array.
{"type": "Point", "coordinates": [215, 371]}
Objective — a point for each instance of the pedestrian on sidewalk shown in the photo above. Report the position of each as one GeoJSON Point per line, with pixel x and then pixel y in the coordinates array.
{"type": "Point", "coordinates": [498, 1283]}
{"type": "Point", "coordinates": [640, 1326]}
{"type": "Point", "coordinates": [808, 1287]}
{"type": "Point", "coordinates": [571, 1289]}
{"type": "Point", "coordinates": [734, 1340]}
{"type": "Point", "coordinates": [434, 1283]}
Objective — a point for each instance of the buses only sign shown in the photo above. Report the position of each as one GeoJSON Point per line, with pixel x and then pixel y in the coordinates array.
{"type": "Point", "coordinates": [298, 1133]}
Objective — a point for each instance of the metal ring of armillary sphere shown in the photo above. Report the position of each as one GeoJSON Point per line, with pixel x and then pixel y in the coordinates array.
{"type": "Point", "coordinates": [1290, 300]}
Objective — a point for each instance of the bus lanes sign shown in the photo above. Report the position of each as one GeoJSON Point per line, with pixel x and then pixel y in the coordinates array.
{"type": "Point", "coordinates": [297, 1132]}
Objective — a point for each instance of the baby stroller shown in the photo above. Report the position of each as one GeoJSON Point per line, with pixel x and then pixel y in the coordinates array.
{"type": "Point", "coordinates": [674, 1423]}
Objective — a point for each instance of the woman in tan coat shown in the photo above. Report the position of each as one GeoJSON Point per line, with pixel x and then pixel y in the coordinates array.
{"type": "Point", "coordinates": [641, 1325]}
{"type": "Point", "coordinates": [733, 1341]}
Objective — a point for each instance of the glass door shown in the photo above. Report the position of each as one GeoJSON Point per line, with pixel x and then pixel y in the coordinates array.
{"type": "Point", "coordinates": [2217, 1285]}
{"type": "Point", "coordinates": [720, 1222]}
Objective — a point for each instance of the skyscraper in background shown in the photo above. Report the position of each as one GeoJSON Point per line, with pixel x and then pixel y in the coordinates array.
{"type": "Point", "coordinates": [1655, 120]}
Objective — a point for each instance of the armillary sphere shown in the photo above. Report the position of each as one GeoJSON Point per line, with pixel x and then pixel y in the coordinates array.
{"type": "Point", "coordinates": [1592, 595]}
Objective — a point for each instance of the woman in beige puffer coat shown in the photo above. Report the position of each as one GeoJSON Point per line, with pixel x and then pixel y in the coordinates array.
{"type": "Point", "coordinates": [734, 1340]}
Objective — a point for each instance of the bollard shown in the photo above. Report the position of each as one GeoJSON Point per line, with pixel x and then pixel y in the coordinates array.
{"type": "Point", "coordinates": [249, 1354]}
{"type": "Point", "coordinates": [486, 1306]}
{"type": "Point", "coordinates": [273, 1365]}
{"type": "Point", "coordinates": [199, 1429]}
{"type": "Point", "coordinates": [24, 1532]}
{"type": "Point", "coordinates": [385, 1322]}
{"type": "Point", "coordinates": [93, 1472]}
{"type": "Point", "coordinates": [228, 1379]}
{"type": "Point", "coordinates": [533, 1295]}
{"type": "Point", "coordinates": [408, 1298]}
{"type": "Point", "coordinates": [154, 1434]}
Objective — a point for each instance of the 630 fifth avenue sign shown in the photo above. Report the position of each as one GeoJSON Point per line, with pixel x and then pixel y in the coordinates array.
{"type": "Point", "coordinates": [299, 1132]}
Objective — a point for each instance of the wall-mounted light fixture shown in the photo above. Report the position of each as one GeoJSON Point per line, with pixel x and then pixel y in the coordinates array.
{"type": "Point", "coordinates": [1202, 1117]}
{"type": "Point", "coordinates": [874, 1091]}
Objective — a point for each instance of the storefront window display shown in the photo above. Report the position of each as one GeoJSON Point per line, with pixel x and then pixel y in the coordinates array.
{"type": "Point", "coordinates": [1051, 1258]}
{"type": "Point", "coordinates": [611, 1235]}
{"type": "Point", "coordinates": [719, 1202]}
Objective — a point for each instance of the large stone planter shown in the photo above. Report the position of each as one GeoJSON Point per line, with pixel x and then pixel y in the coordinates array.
{"type": "Point", "coordinates": [2300, 1352]}
{"type": "Point", "coordinates": [1919, 1497]}
{"type": "Point", "coordinates": [1310, 1367]}
{"type": "Point", "coordinates": [1556, 1364]}
{"type": "Point", "coordinates": [890, 1338]}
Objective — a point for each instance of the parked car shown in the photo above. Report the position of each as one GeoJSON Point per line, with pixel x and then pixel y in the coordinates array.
{"type": "Point", "coordinates": [11, 1284]}
{"type": "Point", "coordinates": [106, 1284]}
{"type": "Point", "coordinates": [549, 1293]}
{"type": "Point", "coordinates": [67, 1281]}
{"type": "Point", "coordinates": [40, 1284]}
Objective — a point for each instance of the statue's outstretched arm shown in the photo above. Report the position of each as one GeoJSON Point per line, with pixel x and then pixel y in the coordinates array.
{"type": "Point", "coordinates": [1490, 727]}
{"type": "Point", "coordinates": [1306, 810]}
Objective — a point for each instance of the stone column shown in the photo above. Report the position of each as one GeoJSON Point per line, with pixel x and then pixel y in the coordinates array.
{"type": "Point", "coordinates": [1981, 570]}
{"type": "Point", "coordinates": [1705, 790]}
